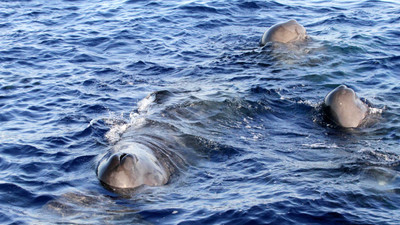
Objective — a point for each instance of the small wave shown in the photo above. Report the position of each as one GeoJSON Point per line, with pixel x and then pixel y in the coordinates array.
{"type": "Point", "coordinates": [321, 146]}
{"type": "Point", "coordinates": [92, 42]}
{"type": "Point", "coordinates": [17, 196]}
{"type": "Point", "coordinates": [85, 58]}
{"type": "Point", "coordinates": [193, 8]}
{"type": "Point", "coordinates": [21, 150]}
{"type": "Point", "coordinates": [77, 164]}
{"type": "Point", "coordinates": [377, 157]}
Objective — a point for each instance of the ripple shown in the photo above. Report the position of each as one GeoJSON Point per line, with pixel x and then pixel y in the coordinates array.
{"type": "Point", "coordinates": [85, 58]}
{"type": "Point", "coordinates": [21, 150]}
{"type": "Point", "coordinates": [92, 42]}
{"type": "Point", "coordinates": [196, 8]}
{"type": "Point", "coordinates": [76, 164]}
{"type": "Point", "coordinates": [17, 196]}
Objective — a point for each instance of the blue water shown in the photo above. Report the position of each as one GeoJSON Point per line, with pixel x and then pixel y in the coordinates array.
{"type": "Point", "coordinates": [74, 76]}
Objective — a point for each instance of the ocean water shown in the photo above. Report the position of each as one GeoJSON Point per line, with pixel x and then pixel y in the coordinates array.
{"type": "Point", "coordinates": [189, 76]}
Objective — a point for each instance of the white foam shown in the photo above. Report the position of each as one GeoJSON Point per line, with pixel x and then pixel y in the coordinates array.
{"type": "Point", "coordinates": [309, 103]}
{"type": "Point", "coordinates": [375, 111]}
{"type": "Point", "coordinates": [137, 119]}
{"type": "Point", "coordinates": [144, 104]}
{"type": "Point", "coordinates": [118, 127]}
{"type": "Point", "coordinates": [320, 145]}
{"type": "Point", "coordinates": [115, 132]}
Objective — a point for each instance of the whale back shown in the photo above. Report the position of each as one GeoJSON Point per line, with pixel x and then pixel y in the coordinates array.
{"type": "Point", "coordinates": [344, 107]}
{"type": "Point", "coordinates": [289, 31]}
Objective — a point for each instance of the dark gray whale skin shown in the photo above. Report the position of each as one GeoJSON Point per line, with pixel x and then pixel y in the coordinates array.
{"type": "Point", "coordinates": [136, 161]}
{"type": "Point", "coordinates": [345, 108]}
{"type": "Point", "coordinates": [286, 32]}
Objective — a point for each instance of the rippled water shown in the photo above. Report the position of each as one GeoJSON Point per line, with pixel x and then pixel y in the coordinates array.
{"type": "Point", "coordinates": [74, 76]}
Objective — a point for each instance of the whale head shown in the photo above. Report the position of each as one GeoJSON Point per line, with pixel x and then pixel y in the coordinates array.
{"type": "Point", "coordinates": [287, 32]}
{"type": "Point", "coordinates": [344, 107]}
{"type": "Point", "coordinates": [130, 169]}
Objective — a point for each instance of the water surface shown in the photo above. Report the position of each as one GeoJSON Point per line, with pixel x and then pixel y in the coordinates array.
{"type": "Point", "coordinates": [73, 76]}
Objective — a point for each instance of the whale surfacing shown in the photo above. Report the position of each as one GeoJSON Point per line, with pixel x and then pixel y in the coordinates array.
{"type": "Point", "coordinates": [287, 32]}
{"type": "Point", "coordinates": [132, 165]}
{"type": "Point", "coordinates": [345, 108]}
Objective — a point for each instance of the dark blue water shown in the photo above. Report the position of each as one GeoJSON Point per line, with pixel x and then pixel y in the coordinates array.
{"type": "Point", "coordinates": [74, 76]}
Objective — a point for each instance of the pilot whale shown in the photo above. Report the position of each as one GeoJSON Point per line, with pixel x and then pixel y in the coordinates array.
{"type": "Point", "coordinates": [131, 164]}
{"type": "Point", "coordinates": [345, 108]}
{"type": "Point", "coordinates": [286, 32]}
